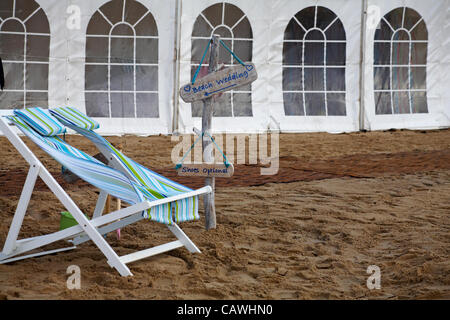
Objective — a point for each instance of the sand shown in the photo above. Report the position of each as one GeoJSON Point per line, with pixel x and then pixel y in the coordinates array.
{"type": "Point", "coordinates": [338, 204]}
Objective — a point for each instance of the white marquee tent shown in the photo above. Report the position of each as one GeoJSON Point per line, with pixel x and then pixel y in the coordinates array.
{"type": "Point", "coordinates": [326, 65]}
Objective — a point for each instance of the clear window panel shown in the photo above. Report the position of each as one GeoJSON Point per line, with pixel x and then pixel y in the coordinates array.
{"type": "Point", "coordinates": [294, 31]}
{"type": "Point", "coordinates": [382, 53]}
{"type": "Point", "coordinates": [315, 104]}
{"type": "Point", "coordinates": [383, 31]}
{"type": "Point", "coordinates": [315, 35]}
{"type": "Point", "coordinates": [336, 54]}
{"type": "Point", "coordinates": [96, 77]}
{"type": "Point", "coordinates": [382, 78]}
{"type": "Point", "coordinates": [223, 32]}
{"type": "Point", "coordinates": [147, 26]}
{"type": "Point", "coordinates": [12, 46]}
{"type": "Point", "coordinates": [400, 53]}
{"type": "Point", "coordinates": [146, 78]}
{"type": "Point", "coordinates": [97, 105]}
{"type": "Point", "coordinates": [11, 100]}
{"type": "Point", "coordinates": [306, 17]}
{"type": "Point", "coordinates": [242, 104]}
{"type": "Point", "coordinates": [224, 55]}
{"type": "Point", "coordinates": [400, 78]}
{"type": "Point", "coordinates": [314, 79]}
{"type": "Point", "coordinates": [292, 79]}
{"type": "Point", "coordinates": [401, 35]}
{"type": "Point", "coordinates": [37, 76]}
{"type": "Point", "coordinates": [134, 11]}
{"type": "Point", "coordinates": [13, 76]}
{"type": "Point", "coordinates": [122, 78]}
{"type": "Point", "coordinates": [37, 99]}
{"type": "Point", "coordinates": [411, 18]}
{"type": "Point", "coordinates": [122, 30]}
{"type": "Point", "coordinates": [336, 104]}
{"type": "Point", "coordinates": [197, 109]}
{"type": "Point", "coordinates": [201, 28]}
{"type": "Point", "coordinates": [147, 51]}
{"type": "Point", "coordinates": [335, 79]}
{"type": "Point", "coordinates": [394, 18]}
{"type": "Point", "coordinates": [401, 102]}
{"type": "Point", "coordinates": [419, 53]}
{"type": "Point", "coordinates": [293, 104]}
{"type": "Point", "coordinates": [214, 14]}
{"type": "Point", "coordinates": [97, 50]}
{"type": "Point", "coordinates": [6, 9]}
{"type": "Point", "coordinates": [38, 48]}
{"type": "Point", "coordinates": [419, 102]}
{"type": "Point", "coordinates": [222, 105]}
{"type": "Point", "coordinates": [336, 31]}
{"type": "Point", "coordinates": [243, 49]}
{"type": "Point", "coordinates": [147, 105]}
{"type": "Point", "coordinates": [38, 23]}
{"type": "Point", "coordinates": [314, 54]}
{"type": "Point", "coordinates": [122, 105]}
{"type": "Point", "coordinates": [122, 50]}
{"type": "Point", "coordinates": [383, 103]}
{"type": "Point", "coordinates": [324, 18]}
{"type": "Point", "coordinates": [247, 88]}
{"type": "Point", "coordinates": [98, 25]}
{"type": "Point", "coordinates": [232, 14]}
{"type": "Point", "coordinates": [420, 32]}
{"type": "Point", "coordinates": [113, 10]}
{"type": "Point", "coordinates": [198, 49]}
{"type": "Point", "coordinates": [418, 77]}
{"type": "Point", "coordinates": [292, 53]}
{"type": "Point", "coordinates": [243, 29]}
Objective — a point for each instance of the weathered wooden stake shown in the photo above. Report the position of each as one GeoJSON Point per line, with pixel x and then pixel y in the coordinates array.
{"type": "Point", "coordinates": [210, 209]}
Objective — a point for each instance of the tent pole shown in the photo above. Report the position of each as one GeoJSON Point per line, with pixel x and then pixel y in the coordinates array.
{"type": "Point", "coordinates": [362, 68]}
{"type": "Point", "coordinates": [176, 80]}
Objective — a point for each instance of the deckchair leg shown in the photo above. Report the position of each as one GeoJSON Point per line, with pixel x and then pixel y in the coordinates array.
{"type": "Point", "coordinates": [183, 238]}
{"type": "Point", "coordinates": [100, 206]}
{"type": "Point", "coordinates": [111, 256]}
{"type": "Point", "coordinates": [21, 209]}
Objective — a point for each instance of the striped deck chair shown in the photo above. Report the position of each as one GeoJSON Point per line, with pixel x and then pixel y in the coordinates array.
{"type": "Point", "coordinates": [169, 204]}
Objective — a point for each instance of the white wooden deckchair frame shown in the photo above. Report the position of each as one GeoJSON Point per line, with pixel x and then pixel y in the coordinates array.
{"type": "Point", "coordinates": [86, 229]}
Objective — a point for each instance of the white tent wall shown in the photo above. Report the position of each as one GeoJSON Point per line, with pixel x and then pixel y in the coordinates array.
{"type": "Point", "coordinates": [445, 69]}
{"type": "Point", "coordinates": [67, 63]}
{"type": "Point", "coordinates": [70, 84]}
{"type": "Point", "coordinates": [436, 17]}
{"type": "Point", "coordinates": [268, 22]}
{"type": "Point", "coordinates": [349, 13]}
{"type": "Point", "coordinates": [260, 24]}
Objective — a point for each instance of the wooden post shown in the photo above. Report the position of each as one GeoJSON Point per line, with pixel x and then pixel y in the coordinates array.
{"type": "Point", "coordinates": [210, 209]}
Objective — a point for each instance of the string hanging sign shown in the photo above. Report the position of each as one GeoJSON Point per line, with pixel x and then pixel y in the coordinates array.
{"type": "Point", "coordinates": [218, 82]}
{"type": "Point", "coordinates": [219, 170]}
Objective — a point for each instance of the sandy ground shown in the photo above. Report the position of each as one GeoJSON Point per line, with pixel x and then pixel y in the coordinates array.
{"type": "Point", "coordinates": [338, 204]}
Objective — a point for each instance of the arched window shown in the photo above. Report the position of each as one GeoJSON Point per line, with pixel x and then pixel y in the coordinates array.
{"type": "Point", "coordinates": [234, 29]}
{"type": "Point", "coordinates": [400, 60]}
{"type": "Point", "coordinates": [24, 49]}
{"type": "Point", "coordinates": [314, 55]}
{"type": "Point", "coordinates": [122, 62]}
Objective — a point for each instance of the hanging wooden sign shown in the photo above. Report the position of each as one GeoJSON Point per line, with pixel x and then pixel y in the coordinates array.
{"type": "Point", "coordinates": [218, 170]}
{"type": "Point", "coordinates": [218, 82]}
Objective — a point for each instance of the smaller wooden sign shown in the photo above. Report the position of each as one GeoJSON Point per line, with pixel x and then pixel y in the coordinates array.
{"type": "Point", "coordinates": [218, 82]}
{"type": "Point", "coordinates": [218, 170]}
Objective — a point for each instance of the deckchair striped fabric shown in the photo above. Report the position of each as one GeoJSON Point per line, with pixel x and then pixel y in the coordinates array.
{"type": "Point", "coordinates": [76, 118]}
{"type": "Point", "coordinates": [150, 183]}
{"type": "Point", "coordinates": [41, 121]}
{"type": "Point", "coordinates": [83, 165]}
